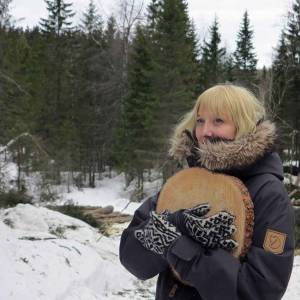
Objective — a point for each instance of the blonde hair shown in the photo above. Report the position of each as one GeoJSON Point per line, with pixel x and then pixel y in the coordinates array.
{"type": "Point", "coordinates": [244, 109]}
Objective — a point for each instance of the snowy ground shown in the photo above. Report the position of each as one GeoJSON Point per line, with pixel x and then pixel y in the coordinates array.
{"type": "Point", "coordinates": [47, 255]}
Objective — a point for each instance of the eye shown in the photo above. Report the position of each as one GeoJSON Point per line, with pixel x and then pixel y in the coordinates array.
{"type": "Point", "coordinates": [200, 121]}
{"type": "Point", "coordinates": [219, 121]}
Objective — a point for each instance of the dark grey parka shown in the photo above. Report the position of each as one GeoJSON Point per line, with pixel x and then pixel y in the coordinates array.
{"type": "Point", "coordinates": [216, 274]}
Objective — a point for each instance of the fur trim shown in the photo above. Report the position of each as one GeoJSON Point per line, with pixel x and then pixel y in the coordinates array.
{"type": "Point", "coordinates": [182, 147]}
{"type": "Point", "coordinates": [235, 154]}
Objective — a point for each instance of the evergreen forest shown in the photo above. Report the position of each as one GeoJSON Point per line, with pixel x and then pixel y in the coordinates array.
{"type": "Point", "coordinates": [106, 92]}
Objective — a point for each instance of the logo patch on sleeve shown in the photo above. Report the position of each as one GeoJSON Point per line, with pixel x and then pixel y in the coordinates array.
{"type": "Point", "coordinates": [274, 241]}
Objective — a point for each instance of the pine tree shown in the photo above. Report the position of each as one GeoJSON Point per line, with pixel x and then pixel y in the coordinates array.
{"type": "Point", "coordinates": [213, 58]}
{"type": "Point", "coordinates": [175, 75]}
{"type": "Point", "coordinates": [4, 42]}
{"type": "Point", "coordinates": [176, 66]}
{"type": "Point", "coordinates": [195, 49]}
{"type": "Point", "coordinates": [280, 70]}
{"type": "Point", "coordinates": [112, 86]}
{"type": "Point", "coordinates": [244, 56]}
{"type": "Point", "coordinates": [13, 79]}
{"type": "Point", "coordinates": [59, 15]}
{"type": "Point", "coordinates": [293, 33]}
{"type": "Point", "coordinates": [58, 98]}
{"type": "Point", "coordinates": [153, 9]}
{"type": "Point", "coordinates": [33, 71]}
{"type": "Point", "coordinates": [286, 81]}
{"type": "Point", "coordinates": [291, 103]}
{"type": "Point", "coordinates": [90, 74]}
{"type": "Point", "coordinates": [163, 84]}
{"type": "Point", "coordinates": [136, 139]}
{"type": "Point", "coordinates": [5, 16]}
{"type": "Point", "coordinates": [91, 21]}
{"type": "Point", "coordinates": [229, 68]}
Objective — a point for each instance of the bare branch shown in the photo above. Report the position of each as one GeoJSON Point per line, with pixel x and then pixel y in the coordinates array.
{"type": "Point", "coordinates": [24, 134]}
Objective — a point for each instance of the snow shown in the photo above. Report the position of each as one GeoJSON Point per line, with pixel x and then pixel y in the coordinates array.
{"type": "Point", "coordinates": [11, 172]}
{"type": "Point", "coordinates": [47, 255]}
{"type": "Point", "coordinates": [293, 290]}
{"type": "Point", "coordinates": [109, 191]}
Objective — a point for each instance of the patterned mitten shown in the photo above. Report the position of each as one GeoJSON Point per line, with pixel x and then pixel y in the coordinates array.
{"type": "Point", "coordinates": [210, 232]}
{"type": "Point", "coordinates": [158, 234]}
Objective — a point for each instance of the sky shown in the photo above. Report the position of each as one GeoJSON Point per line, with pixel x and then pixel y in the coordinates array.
{"type": "Point", "coordinates": [267, 18]}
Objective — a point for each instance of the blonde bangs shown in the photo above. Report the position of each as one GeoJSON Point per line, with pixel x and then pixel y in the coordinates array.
{"type": "Point", "coordinates": [216, 101]}
{"type": "Point", "coordinates": [237, 103]}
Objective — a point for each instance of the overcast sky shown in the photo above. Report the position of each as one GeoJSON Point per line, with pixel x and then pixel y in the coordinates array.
{"type": "Point", "coordinates": [267, 18]}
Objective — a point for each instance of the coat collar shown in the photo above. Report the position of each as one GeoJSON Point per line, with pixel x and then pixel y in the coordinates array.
{"type": "Point", "coordinates": [224, 156]}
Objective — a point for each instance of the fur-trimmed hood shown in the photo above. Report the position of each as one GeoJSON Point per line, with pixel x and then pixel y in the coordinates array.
{"type": "Point", "coordinates": [233, 155]}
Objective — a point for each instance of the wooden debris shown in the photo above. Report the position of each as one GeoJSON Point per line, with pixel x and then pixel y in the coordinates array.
{"type": "Point", "coordinates": [106, 215]}
{"type": "Point", "coordinates": [296, 202]}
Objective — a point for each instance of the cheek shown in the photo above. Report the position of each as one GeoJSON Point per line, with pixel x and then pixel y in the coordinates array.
{"type": "Point", "coordinates": [228, 132]}
{"type": "Point", "coordinates": [232, 132]}
{"type": "Point", "coordinates": [198, 133]}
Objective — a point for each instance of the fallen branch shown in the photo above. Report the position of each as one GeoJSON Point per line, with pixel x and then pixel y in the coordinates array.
{"type": "Point", "coordinates": [24, 134]}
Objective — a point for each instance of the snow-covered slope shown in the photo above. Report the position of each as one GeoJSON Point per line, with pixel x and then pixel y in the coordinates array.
{"type": "Point", "coordinates": [47, 255]}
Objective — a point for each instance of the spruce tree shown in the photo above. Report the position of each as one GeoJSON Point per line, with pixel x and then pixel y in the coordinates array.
{"type": "Point", "coordinates": [229, 68]}
{"type": "Point", "coordinates": [90, 102]}
{"type": "Point", "coordinates": [290, 105]}
{"type": "Point", "coordinates": [59, 15]}
{"type": "Point", "coordinates": [280, 70]}
{"type": "Point", "coordinates": [163, 84]}
{"type": "Point", "coordinates": [35, 78]}
{"type": "Point", "coordinates": [213, 58]}
{"type": "Point", "coordinates": [91, 21]}
{"type": "Point", "coordinates": [153, 9]}
{"type": "Point", "coordinates": [244, 56]}
{"type": "Point", "coordinates": [56, 113]}
{"type": "Point", "coordinates": [293, 33]}
{"type": "Point", "coordinates": [136, 139]}
{"type": "Point", "coordinates": [14, 82]}
{"type": "Point", "coordinates": [5, 16]}
{"type": "Point", "coordinates": [176, 66]}
{"type": "Point", "coordinates": [286, 81]}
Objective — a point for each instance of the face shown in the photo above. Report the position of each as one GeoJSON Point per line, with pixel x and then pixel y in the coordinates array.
{"type": "Point", "coordinates": [210, 125]}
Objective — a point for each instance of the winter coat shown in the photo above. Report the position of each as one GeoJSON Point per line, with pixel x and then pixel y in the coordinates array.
{"type": "Point", "coordinates": [215, 274]}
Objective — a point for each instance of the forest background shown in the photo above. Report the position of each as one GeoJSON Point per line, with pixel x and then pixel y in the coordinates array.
{"type": "Point", "coordinates": [97, 95]}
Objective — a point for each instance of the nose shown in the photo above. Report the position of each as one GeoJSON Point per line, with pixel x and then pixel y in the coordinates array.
{"type": "Point", "coordinates": [207, 130]}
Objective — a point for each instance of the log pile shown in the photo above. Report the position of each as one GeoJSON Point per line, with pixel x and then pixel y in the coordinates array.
{"type": "Point", "coordinates": [107, 215]}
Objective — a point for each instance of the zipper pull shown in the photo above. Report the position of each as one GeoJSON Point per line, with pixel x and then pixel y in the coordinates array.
{"type": "Point", "coordinates": [173, 290]}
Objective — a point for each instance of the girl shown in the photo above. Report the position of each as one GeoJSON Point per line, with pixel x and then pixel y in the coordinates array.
{"type": "Point", "coordinates": [225, 132]}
